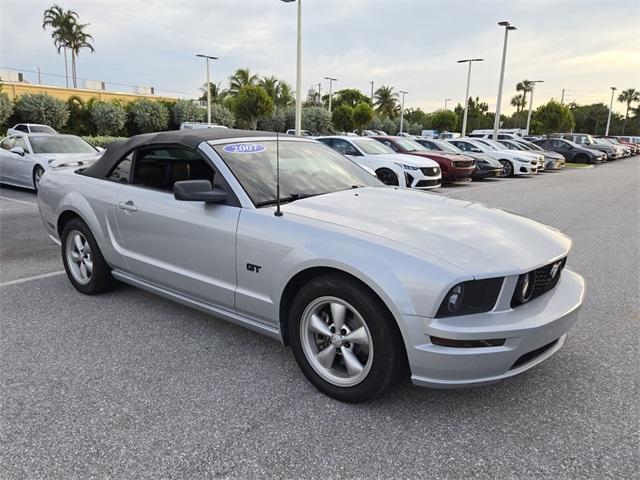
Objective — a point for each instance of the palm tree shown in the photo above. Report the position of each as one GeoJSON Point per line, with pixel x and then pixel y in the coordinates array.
{"type": "Point", "coordinates": [241, 78]}
{"type": "Point", "coordinates": [386, 101]}
{"type": "Point", "coordinates": [524, 86]}
{"type": "Point", "coordinates": [271, 85]}
{"type": "Point", "coordinates": [61, 21]}
{"type": "Point", "coordinates": [218, 94]}
{"type": "Point", "coordinates": [628, 96]}
{"type": "Point", "coordinates": [519, 101]}
{"type": "Point", "coordinates": [76, 41]}
{"type": "Point", "coordinates": [285, 95]}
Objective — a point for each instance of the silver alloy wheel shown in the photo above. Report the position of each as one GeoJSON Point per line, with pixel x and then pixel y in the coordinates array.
{"type": "Point", "coordinates": [37, 175]}
{"type": "Point", "coordinates": [79, 257]}
{"type": "Point", "coordinates": [336, 341]}
{"type": "Point", "coordinates": [507, 168]}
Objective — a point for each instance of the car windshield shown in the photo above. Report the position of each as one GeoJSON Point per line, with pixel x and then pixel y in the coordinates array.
{"type": "Point", "coordinates": [531, 146]}
{"type": "Point", "coordinates": [446, 146]}
{"type": "Point", "coordinates": [483, 145]}
{"type": "Point", "coordinates": [306, 169]}
{"type": "Point", "coordinates": [41, 129]}
{"type": "Point", "coordinates": [410, 145]}
{"type": "Point", "coordinates": [60, 144]}
{"type": "Point", "coordinates": [371, 147]}
{"type": "Point", "coordinates": [514, 146]}
{"type": "Point", "coordinates": [494, 144]}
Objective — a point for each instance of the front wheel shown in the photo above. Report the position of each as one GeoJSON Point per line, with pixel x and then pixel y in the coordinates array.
{"type": "Point", "coordinates": [388, 177]}
{"type": "Point", "coordinates": [343, 339]}
{"type": "Point", "coordinates": [507, 168]}
{"type": "Point", "coordinates": [37, 175]}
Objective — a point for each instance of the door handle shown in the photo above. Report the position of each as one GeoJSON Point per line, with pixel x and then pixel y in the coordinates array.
{"type": "Point", "coordinates": [129, 206]}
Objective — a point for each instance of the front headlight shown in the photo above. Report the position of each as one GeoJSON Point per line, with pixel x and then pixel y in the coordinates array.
{"type": "Point", "coordinates": [406, 167]}
{"type": "Point", "coordinates": [523, 160]}
{"type": "Point", "coordinates": [474, 296]}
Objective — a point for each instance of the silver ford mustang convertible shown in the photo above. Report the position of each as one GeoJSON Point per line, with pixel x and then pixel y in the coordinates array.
{"type": "Point", "coordinates": [367, 283]}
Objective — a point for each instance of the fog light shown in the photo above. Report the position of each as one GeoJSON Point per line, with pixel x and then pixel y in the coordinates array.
{"type": "Point", "coordinates": [454, 298]}
{"type": "Point", "coordinates": [525, 287]}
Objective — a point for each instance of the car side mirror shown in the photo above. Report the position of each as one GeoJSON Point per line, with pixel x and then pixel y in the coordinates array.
{"type": "Point", "coordinates": [198, 191]}
{"type": "Point", "coordinates": [18, 151]}
{"type": "Point", "coordinates": [353, 153]}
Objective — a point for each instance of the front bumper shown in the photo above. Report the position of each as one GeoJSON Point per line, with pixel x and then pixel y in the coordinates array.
{"type": "Point", "coordinates": [524, 168]}
{"type": "Point", "coordinates": [486, 171]}
{"type": "Point", "coordinates": [532, 332]}
{"type": "Point", "coordinates": [457, 174]}
{"type": "Point", "coordinates": [417, 179]}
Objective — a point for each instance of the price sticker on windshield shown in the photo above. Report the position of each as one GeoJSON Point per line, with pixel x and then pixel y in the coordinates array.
{"type": "Point", "coordinates": [244, 148]}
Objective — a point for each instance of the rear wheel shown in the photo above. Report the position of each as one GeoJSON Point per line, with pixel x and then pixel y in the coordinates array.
{"type": "Point", "coordinates": [37, 175]}
{"type": "Point", "coordinates": [344, 340]}
{"type": "Point", "coordinates": [581, 158]}
{"type": "Point", "coordinates": [507, 168]}
{"type": "Point", "coordinates": [388, 176]}
{"type": "Point", "coordinates": [85, 266]}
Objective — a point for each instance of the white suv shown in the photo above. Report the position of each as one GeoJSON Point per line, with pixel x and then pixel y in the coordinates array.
{"type": "Point", "coordinates": [30, 128]}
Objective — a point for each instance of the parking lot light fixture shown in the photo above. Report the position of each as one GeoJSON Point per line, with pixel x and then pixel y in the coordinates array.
{"type": "Point", "coordinates": [466, 97]}
{"type": "Point", "coordinates": [533, 86]}
{"type": "Point", "coordinates": [402, 110]}
{"type": "Point", "coordinates": [496, 123]}
{"type": "Point", "coordinates": [331, 80]}
{"type": "Point", "coordinates": [207, 58]}
{"type": "Point", "coordinates": [371, 93]}
{"type": "Point", "coordinates": [298, 125]}
{"type": "Point", "coordinates": [613, 91]}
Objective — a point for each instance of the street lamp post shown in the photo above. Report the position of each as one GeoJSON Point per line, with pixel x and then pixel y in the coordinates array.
{"type": "Point", "coordinates": [533, 86]}
{"type": "Point", "coordinates": [402, 110]}
{"type": "Point", "coordinates": [39, 76]}
{"type": "Point", "coordinates": [320, 93]}
{"type": "Point", "coordinates": [371, 93]}
{"type": "Point", "coordinates": [446, 100]}
{"type": "Point", "coordinates": [496, 123]}
{"type": "Point", "coordinates": [613, 90]}
{"type": "Point", "coordinates": [207, 58]}
{"type": "Point", "coordinates": [466, 97]}
{"type": "Point", "coordinates": [298, 68]}
{"type": "Point", "coordinates": [331, 80]}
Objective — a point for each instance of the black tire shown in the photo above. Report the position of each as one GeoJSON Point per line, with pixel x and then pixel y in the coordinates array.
{"type": "Point", "coordinates": [100, 279]}
{"type": "Point", "coordinates": [388, 177]}
{"type": "Point", "coordinates": [38, 171]}
{"type": "Point", "coordinates": [388, 364]}
{"type": "Point", "coordinates": [507, 168]}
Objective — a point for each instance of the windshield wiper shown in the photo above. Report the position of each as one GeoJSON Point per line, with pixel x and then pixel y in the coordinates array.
{"type": "Point", "coordinates": [287, 199]}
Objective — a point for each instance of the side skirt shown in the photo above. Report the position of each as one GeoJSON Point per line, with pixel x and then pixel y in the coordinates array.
{"type": "Point", "coordinates": [217, 312]}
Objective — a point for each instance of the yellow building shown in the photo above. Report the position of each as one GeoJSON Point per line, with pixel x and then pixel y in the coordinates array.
{"type": "Point", "coordinates": [15, 89]}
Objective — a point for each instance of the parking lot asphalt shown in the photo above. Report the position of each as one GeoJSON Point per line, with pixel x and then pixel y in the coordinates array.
{"type": "Point", "coordinates": [128, 385]}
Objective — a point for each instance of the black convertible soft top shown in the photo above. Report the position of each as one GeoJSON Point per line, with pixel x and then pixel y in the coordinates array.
{"type": "Point", "coordinates": [183, 138]}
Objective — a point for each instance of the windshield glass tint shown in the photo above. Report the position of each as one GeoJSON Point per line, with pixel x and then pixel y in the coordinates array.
{"type": "Point", "coordinates": [306, 169]}
{"type": "Point", "coordinates": [485, 146]}
{"type": "Point", "coordinates": [447, 147]}
{"type": "Point", "coordinates": [60, 144]}
{"type": "Point", "coordinates": [41, 129]}
{"type": "Point", "coordinates": [371, 147]}
{"type": "Point", "coordinates": [410, 145]}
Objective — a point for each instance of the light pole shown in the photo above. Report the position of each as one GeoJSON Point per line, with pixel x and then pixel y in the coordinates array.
{"type": "Point", "coordinates": [466, 97]}
{"type": "Point", "coordinates": [496, 123]}
{"type": "Point", "coordinates": [446, 100]}
{"type": "Point", "coordinates": [402, 110]}
{"type": "Point", "coordinates": [319, 93]}
{"type": "Point", "coordinates": [298, 68]}
{"type": "Point", "coordinates": [613, 91]}
{"type": "Point", "coordinates": [371, 93]}
{"type": "Point", "coordinates": [39, 77]}
{"type": "Point", "coordinates": [207, 58]}
{"type": "Point", "coordinates": [533, 85]}
{"type": "Point", "coordinates": [331, 80]}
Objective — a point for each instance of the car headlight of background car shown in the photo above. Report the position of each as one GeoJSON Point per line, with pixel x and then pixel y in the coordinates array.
{"type": "Point", "coordinates": [523, 160]}
{"type": "Point", "coordinates": [406, 167]}
{"type": "Point", "coordinates": [473, 296]}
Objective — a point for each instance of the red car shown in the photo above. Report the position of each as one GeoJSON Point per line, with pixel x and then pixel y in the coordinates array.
{"type": "Point", "coordinates": [455, 168]}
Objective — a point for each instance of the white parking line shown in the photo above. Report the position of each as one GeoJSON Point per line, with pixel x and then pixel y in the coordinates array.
{"type": "Point", "coordinates": [35, 277]}
{"type": "Point", "coordinates": [18, 201]}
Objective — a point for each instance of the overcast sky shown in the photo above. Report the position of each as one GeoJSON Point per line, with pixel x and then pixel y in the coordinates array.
{"type": "Point", "coordinates": [582, 46]}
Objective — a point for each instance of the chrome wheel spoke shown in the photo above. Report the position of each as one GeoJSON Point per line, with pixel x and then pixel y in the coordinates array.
{"type": "Point", "coordinates": [327, 356]}
{"type": "Point", "coordinates": [338, 315]}
{"type": "Point", "coordinates": [357, 336]}
{"type": "Point", "coordinates": [75, 256]}
{"type": "Point", "coordinates": [78, 242]}
{"type": "Point", "coordinates": [354, 367]}
{"type": "Point", "coordinates": [89, 264]}
{"type": "Point", "coordinates": [318, 326]}
{"type": "Point", "coordinates": [83, 271]}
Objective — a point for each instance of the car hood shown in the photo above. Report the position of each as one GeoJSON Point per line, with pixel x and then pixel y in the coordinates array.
{"type": "Point", "coordinates": [484, 157]}
{"type": "Point", "coordinates": [481, 240]}
{"type": "Point", "coordinates": [405, 159]}
{"type": "Point", "coordinates": [551, 154]}
{"type": "Point", "coordinates": [57, 159]}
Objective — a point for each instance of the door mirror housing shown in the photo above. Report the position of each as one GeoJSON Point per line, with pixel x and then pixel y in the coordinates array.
{"type": "Point", "coordinates": [18, 151]}
{"type": "Point", "coordinates": [198, 191]}
{"type": "Point", "coordinates": [353, 153]}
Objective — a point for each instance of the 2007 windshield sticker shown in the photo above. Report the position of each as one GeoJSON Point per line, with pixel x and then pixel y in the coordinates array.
{"type": "Point", "coordinates": [244, 148]}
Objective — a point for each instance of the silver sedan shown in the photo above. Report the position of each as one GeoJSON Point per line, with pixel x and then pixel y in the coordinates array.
{"type": "Point", "coordinates": [24, 157]}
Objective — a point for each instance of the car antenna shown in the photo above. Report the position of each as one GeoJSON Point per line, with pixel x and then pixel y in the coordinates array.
{"type": "Point", "coordinates": [278, 212]}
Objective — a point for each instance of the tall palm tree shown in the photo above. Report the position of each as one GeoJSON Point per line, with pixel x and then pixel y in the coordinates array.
{"type": "Point", "coordinates": [285, 95]}
{"type": "Point", "coordinates": [61, 22]}
{"type": "Point", "coordinates": [271, 85]}
{"type": "Point", "coordinates": [525, 86]}
{"type": "Point", "coordinates": [628, 96]}
{"type": "Point", "coordinates": [386, 101]}
{"type": "Point", "coordinates": [519, 101]}
{"type": "Point", "coordinates": [76, 41]}
{"type": "Point", "coordinates": [241, 78]}
{"type": "Point", "coordinates": [218, 94]}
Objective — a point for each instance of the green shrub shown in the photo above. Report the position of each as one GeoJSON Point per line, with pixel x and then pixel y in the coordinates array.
{"type": "Point", "coordinates": [42, 108]}
{"type": "Point", "coordinates": [6, 109]}
{"type": "Point", "coordinates": [276, 122]}
{"type": "Point", "coordinates": [102, 141]}
{"type": "Point", "coordinates": [109, 118]}
{"type": "Point", "coordinates": [187, 111]}
{"type": "Point", "coordinates": [252, 103]}
{"type": "Point", "coordinates": [316, 119]}
{"type": "Point", "coordinates": [362, 115]}
{"type": "Point", "coordinates": [221, 115]}
{"type": "Point", "coordinates": [342, 118]}
{"type": "Point", "coordinates": [148, 116]}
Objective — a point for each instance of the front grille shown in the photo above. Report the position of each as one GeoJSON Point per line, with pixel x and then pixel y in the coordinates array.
{"type": "Point", "coordinates": [527, 357]}
{"type": "Point", "coordinates": [463, 163]}
{"type": "Point", "coordinates": [542, 281]}
{"type": "Point", "coordinates": [430, 171]}
{"type": "Point", "coordinates": [427, 183]}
